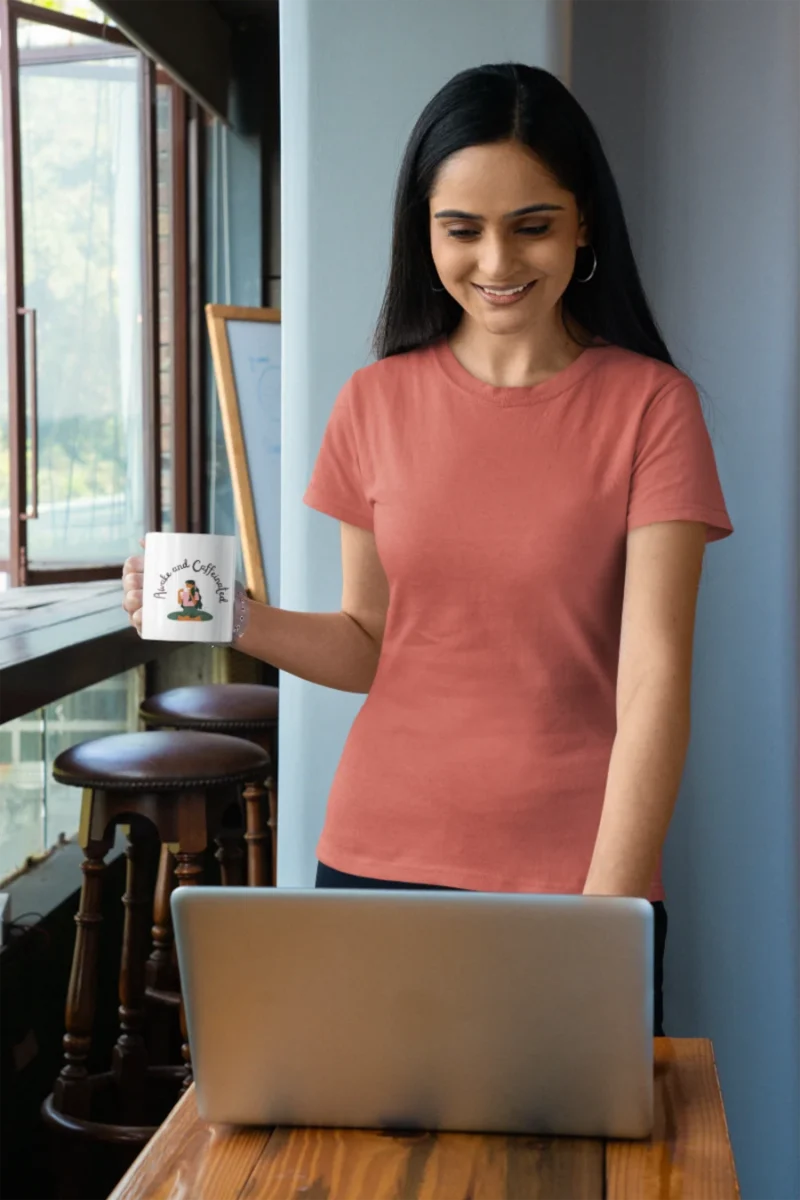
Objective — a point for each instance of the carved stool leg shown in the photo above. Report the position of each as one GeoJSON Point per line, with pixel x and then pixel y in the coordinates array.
{"type": "Point", "coordinates": [257, 835]}
{"type": "Point", "coordinates": [160, 965]}
{"type": "Point", "coordinates": [230, 856]}
{"type": "Point", "coordinates": [189, 873]}
{"type": "Point", "coordinates": [71, 1092]}
{"type": "Point", "coordinates": [129, 1063]}
{"type": "Point", "coordinates": [161, 972]}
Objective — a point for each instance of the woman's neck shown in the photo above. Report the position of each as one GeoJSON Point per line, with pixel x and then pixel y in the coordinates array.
{"type": "Point", "coordinates": [515, 360]}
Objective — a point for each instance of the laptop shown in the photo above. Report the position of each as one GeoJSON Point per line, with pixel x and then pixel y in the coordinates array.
{"type": "Point", "coordinates": [413, 1010]}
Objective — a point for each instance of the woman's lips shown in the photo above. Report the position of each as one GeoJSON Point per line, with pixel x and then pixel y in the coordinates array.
{"type": "Point", "coordinates": [500, 301]}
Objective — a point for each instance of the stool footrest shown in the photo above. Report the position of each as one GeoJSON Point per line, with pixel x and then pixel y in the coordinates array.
{"type": "Point", "coordinates": [107, 1131]}
{"type": "Point", "coordinates": [163, 996]}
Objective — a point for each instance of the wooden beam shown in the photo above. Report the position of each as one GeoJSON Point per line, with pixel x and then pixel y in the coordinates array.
{"type": "Point", "coordinates": [190, 39]}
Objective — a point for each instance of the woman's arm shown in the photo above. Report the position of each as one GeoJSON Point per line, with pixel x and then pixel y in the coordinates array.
{"type": "Point", "coordinates": [662, 576]}
{"type": "Point", "coordinates": [337, 650]}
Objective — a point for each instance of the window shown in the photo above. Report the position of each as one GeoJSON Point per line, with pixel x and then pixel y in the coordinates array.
{"type": "Point", "coordinates": [173, 286]}
{"type": "Point", "coordinates": [35, 810]}
{"type": "Point", "coordinates": [81, 174]}
{"type": "Point", "coordinates": [94, 406]}
{"type": "Point", "coordinates": [101, 324]}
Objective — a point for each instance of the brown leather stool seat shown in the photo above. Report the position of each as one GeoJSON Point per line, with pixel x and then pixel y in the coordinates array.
{"type": "Point", "coordinates": [163, 761]}
{"type": "Point", "coordinates": [187, 786]}
{"type": "Point", "coordinates": [223, 707]}
{"type": "Point", "coordinates": [245, 710]}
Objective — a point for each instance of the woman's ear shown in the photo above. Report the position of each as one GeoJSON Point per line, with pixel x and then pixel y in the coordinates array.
{"type": "Point", "coordinates": [584, 231]}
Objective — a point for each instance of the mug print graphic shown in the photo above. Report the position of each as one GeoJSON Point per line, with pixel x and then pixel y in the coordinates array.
{"type": "Point", "coordinates": [189, 596]}
{"type": "Point", "coordinates": [191, 602]}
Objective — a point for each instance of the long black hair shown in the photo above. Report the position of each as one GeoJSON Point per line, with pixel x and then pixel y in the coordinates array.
{"type": "Point", "coordinates": [531, 106]}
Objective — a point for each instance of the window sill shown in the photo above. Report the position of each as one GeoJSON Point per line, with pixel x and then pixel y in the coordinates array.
{"type": "Point", "coordinates": [62, 640]}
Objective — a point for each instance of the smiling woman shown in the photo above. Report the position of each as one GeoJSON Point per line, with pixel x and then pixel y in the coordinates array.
{"type": "Point", "coordinates": [507, 270]}
{"type": "Point", "coordinates": [525, 487]}
{"type": "Point", "coordinates": [495, 147]}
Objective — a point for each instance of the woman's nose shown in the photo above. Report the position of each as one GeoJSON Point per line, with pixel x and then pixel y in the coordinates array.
{"type": "Point", "coordinates": [496, 261]}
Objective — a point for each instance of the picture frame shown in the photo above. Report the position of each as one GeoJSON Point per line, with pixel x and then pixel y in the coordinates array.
{"type": "Point", "coordinates": [245, 351]}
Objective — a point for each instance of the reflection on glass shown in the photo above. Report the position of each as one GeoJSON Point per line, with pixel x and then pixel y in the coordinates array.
{"type": "Point", "coordinates": [35, 811]}
{"type": "Point", "coordinates": [81, 202]}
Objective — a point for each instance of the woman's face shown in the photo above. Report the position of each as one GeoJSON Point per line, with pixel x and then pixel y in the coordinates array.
{"type": "Point", "coordinates": [500, 221]}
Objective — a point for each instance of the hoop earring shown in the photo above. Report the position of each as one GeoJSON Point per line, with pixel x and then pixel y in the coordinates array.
{"type": "Point", "coordinates": [594, 268]}
{"type": "Point", "coordinates": [435, 289]}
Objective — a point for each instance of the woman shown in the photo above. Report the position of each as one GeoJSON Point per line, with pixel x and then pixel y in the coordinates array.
{"type": "Point", "coordinates": [525, 486]}
{"type": "Point", "coordinates": [189, 599]}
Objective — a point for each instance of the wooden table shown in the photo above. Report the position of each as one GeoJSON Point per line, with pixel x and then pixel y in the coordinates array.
{"type": "Point", "coordinates": [688, 1158]}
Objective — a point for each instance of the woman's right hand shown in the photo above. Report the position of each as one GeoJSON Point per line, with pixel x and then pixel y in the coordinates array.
{"type": "Point", "coordinates": [132, 580]}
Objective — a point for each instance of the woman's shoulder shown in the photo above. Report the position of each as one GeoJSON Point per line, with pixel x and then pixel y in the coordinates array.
{"type": "Point", "coordinates": [395, 366]}
{"type": "Point", "coordinates": [649, 377]}
{"type": "Point", "coordinates": [380, 385]}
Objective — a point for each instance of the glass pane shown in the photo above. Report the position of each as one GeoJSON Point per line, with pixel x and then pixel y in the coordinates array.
{"type": "Point", "coordinates": [21, 791]}
{"type": "Point", "coordinates": [75, 8]}
{"type": "Point", "coordinates": [221, 511]}
{"type": "Point", "coordinates": [81, 201]}
{"type": "Point", "coordinates": [33, 37]}
{"type": "Point", "coordinates": [108, 707]}
{"type": "Point", "coordinates": [35, 810]}
{"type": "Point", "coordinates": [165, 294]}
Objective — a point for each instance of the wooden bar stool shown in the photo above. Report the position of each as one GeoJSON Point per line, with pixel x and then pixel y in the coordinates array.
{"type": "Point", "coordinates": [244, 710]}
{"type": "Point", "coordinates": [185, 786]}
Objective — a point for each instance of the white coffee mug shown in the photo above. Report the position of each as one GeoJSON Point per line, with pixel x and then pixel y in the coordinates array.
{"type": "Point", "coordinates": [188, 589]}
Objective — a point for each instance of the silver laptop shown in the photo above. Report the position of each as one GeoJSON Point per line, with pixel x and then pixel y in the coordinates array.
{"type": "Point", "coordinates": [501, 1013]}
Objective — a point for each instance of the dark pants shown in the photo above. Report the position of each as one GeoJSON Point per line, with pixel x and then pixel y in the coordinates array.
{"type": "Point", "coordinates": [329, 877]}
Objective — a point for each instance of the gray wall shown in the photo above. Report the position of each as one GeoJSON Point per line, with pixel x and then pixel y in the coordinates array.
{"type": "Point", "coordinates": [697, 105]}
{"type": "Point", "coordinates": [354, 76]}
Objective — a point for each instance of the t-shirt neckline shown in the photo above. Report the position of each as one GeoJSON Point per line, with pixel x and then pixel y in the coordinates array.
{"type": "Point", "coordinates": [507, 397]}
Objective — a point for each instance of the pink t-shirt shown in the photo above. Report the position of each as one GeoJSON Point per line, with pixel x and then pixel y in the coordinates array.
{"type": "Point", "coordinates": [479, 758]}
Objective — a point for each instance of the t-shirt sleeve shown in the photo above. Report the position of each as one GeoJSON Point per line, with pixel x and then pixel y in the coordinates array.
{"type": "Point", "coordinates": [674, 476]}
{"type": "Point", "coordinates": [337, 486]}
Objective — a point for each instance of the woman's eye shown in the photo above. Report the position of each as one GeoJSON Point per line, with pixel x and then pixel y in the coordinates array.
{"type": "Point", "coordinates": [530, 230]}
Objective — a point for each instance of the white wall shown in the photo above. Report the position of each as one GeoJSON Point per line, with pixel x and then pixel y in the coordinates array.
{"type": "Point", "coordinates": [355, 75]}
{"type": "Point", "coordinates": [699, 108]}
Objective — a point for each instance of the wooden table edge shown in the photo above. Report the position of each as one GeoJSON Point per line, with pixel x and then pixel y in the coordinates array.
{"type": "Point", "coordinates": [164, 1132]}
{"type": "Point", "coordinates": [728, 1142]}
{"type": "Point", "coordinates": [666, 1051]}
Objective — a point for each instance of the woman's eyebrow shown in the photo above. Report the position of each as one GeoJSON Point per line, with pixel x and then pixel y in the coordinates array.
{"type": "Point", "coordinates": [518, 212]}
